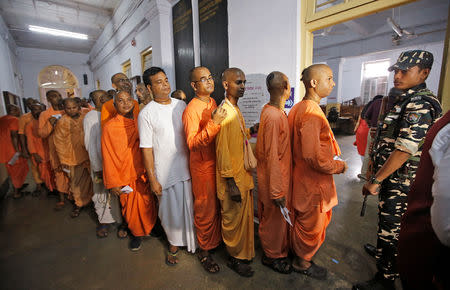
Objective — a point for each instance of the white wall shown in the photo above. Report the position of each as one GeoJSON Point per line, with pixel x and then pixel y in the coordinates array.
{"type": "Point", "coordinates": [263, 37]}
{"type": "Point", "coordinates": [10, 78]}
{"type": "Point", "coordinates": [32, 60]}
{"type": "Point", "coordinates": [349, 85]}
{"type": "Point", "coordinates": [149, 22]}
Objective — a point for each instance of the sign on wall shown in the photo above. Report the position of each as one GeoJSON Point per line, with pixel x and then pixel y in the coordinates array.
{"type": "Point", "coordinates": [213, 19]}
{"type": "Point", "coordinates": [183, 45]}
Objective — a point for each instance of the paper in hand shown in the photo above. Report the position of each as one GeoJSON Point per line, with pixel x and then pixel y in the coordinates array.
{"type": "Point", "coordinates": [14, 158]}
{"type": "Point", "coordinates": [126, 189]}
{"type": "Point", "coordinates": [285, 213]}
{"type": "Point", "coordinates": [66, 170]}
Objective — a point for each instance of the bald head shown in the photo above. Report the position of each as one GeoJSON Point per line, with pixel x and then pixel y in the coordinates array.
{"type": "Point", "coordinates": [121, 82]}
{"type": "Point", "coordinates": [276, 82]}
{"type": "Point", "coordinates": [312, 72]}
{"type": "Point", "coordinates": [229, 72]}
{"type": "Point", "coordinates": [117, 76]}
{"type": "Point", "coordinates": [29, 102]}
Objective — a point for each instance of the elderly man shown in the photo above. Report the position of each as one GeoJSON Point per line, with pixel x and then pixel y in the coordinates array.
{"type": "Point", "coordinates": [16, 165]}
{"type": "Point", "coordinates": [124, 170]}
{"type": "Point", "coordinates": [120, 82]}
{"type": "Point", "coordinates": [201, 120]}
{"type": "Point", "coordinates": [273, 151]}
{"type": "Point", "coordinates": [166, 159]}
{"type": "Point", "coordinates": [106, 204]}
{"type": "Point", "coordinates": [234, 182]}
{"type": "Point", "coordinates": [47, 122]}
{"type": "Point", "coordinates": [69, 144]}
{"type": "Point", "coordinates": [314, 150]}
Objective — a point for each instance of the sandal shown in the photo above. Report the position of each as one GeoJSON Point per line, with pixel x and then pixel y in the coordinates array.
{"type": "Point", "coordinates": [76, 212]}
{"type": "Point", "coordinates": [313, 271]}
{"type": "Point", "coordinates": [102, 231]}
{"type": "Point", "coordinates": [280, 265]}
{"type": "Point", "coordinates": [59, 205]}
{"type": "Point", "coordinates": [240, 267]}
{"type": "Point", "coordinates": [209, 264]}
{"type": "Point", "coordinates": [122, 231]}
{"type": "Point", "coordinates": [173, 256]}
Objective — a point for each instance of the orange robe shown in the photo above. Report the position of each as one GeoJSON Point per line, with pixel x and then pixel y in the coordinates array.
{"type": "Point", "coordinates": [273, 151]}
{"type": "Point", "coordinates": [123, 165]}
{"type": "Point", "coordinates": [109, 111]}
{"type": "Point", "coordinates": [23, 121]}
{"type": "Point", "coordinates": [45, 131]}
{"type": "Point", "coordinates": [69, 143]}
{"type": "Point", "coordinates": [200, 135]}
{"type": "Point", "coordinates": [313, 193]}
{"type": "Point", "coordinates": [19, 170]}
{"type": "Point", "coordinates": [37, 145]}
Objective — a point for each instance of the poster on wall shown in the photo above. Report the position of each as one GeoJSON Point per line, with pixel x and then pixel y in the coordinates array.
{"type": "Point", "coordinates": [183, 45]}
{"type": "Point", "coordinates": [254, 99]}
{"type": "Point", "coordinates": [213, 19]}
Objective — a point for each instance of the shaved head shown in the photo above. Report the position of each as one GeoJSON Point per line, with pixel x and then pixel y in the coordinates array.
{"type": "Point", "coordinates": [116, 77]}
{"type": "Point", "coordinates": [193, 71]}
{"type": "Point", "coordinates": [276, 82]}
{"type": "Point", "coordinates": [231, 71]}
{"type": "Point", "coordinates": [313, 71]}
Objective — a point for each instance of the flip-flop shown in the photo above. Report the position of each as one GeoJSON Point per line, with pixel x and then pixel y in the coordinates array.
{"type": "Point", "coordinates": [103, 229]}
{"type": "Point", "coordinates": [173, 255]}
{"type": "Point", "coordinates": [209, 264]}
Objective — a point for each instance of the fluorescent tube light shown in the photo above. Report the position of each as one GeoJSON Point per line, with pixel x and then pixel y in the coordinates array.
{"type": "Point", "coordinates": [57, 32]}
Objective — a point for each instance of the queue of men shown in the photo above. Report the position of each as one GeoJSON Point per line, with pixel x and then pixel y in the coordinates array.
{"type": "Point", "coordinates": [188, 168]}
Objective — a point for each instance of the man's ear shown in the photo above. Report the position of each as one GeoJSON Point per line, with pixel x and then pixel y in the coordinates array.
{"type": "Point", "coordinates": [225, 85]}
{"type": "Point", "coordinates": [313, 83]}
{"type": "Point", "coordinates": [149, 88]}
{"type": "Point", "coordinates": [425, 73]}
{"type": "Point", "coordinates": [193, 86]}
{"type": "Point", "coordinates": [114, 86]}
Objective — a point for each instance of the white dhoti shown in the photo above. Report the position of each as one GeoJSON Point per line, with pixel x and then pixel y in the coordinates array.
{"type": "Point", "coordinates": [106, 205]}
{"type": "Point", "coordinates": [176, 211]}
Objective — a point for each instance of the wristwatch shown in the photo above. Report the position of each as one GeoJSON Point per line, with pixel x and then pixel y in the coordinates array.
{"type": "Point", "coordinates": [374, 180]}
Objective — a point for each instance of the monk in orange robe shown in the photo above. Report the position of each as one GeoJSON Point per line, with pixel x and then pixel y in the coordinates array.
{"type": "Point", "coordinates": [273, 151]}
{"type": "Point", "coordinates": [16, 165]}
{"type": "Point", "coordinates": [38, 150]}
{"type": "Point", "coordinates": [201, 122]}
{"type": "Point", "coordinates": [314, 151]}
{"type": "Point", "coordinates": [47, 122]}
{"type": "Point", "coordinates": [123, 170]}
{"type": "Point", "coordinates": [23, 121]}
{"type": "Point", "coordinates": [69, 144]}
{"type": "Point", "coordinates": [120, 82]}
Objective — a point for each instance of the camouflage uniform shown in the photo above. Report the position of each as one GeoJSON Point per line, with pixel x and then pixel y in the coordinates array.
{"type": "Point", "coordinates": [404, 129]}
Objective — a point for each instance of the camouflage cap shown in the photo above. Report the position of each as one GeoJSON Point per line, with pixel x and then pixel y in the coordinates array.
{"type": "Point", "coordinates": [410, 58]}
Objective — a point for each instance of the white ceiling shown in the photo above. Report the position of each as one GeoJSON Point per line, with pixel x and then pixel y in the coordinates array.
{"type": "Point", "coordinates": [81, 16]}
{"type": "Point", "coordinates": [421, 17]}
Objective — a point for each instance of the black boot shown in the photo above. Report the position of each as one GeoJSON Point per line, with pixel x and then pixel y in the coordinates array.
{"type": "Point", "coordinates": [376, 283]}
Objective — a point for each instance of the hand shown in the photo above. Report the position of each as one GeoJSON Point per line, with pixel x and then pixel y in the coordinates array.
{"type": "Point", "coordinates": [37, 158]}
{"type": "Point", "coordinates": [156, 187]}
{"type": "Point", "coordinates": [371, 188]}
{"type": "Point", "coordinates": [345, 167]}
{"type": "Point", "coordinates": [52, 121]}
{"type": "Point", "coordinates": [116, 190]}
{"type": "Point", "coordinates": [235, 193]}
{"type": "Point", "coordinates": [280, 201]}
{"type": "Point", "coordinates": [218, 115]}
{"type": "Point", "coordinates": [64, 166]}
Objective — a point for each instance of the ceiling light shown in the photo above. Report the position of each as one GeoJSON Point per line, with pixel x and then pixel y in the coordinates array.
{"type": "Point", "coordinates": [57, 32]}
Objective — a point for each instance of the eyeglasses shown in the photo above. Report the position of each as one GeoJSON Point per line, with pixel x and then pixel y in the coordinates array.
{"type": "Point", "coordinates": [204, 80]}
{"type": "Point", "coordinates": [123, 80]}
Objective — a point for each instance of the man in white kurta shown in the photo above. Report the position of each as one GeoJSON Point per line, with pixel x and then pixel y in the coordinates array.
{"type": "Point", "coordinates": [106, 204]}
{"type": "Point", "coordinates": [161, 131]}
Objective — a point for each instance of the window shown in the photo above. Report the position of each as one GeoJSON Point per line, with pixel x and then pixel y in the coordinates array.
{"type": "Point", "coordinates": [375, 79]}
{"type": "Point", "coordinates": [146, 58]}
{"type": "Point", "coordinates": [126, 68]}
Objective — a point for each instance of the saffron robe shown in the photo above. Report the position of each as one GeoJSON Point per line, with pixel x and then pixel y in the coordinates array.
{"type": "Point", "coordinates": [45, 131]}
{"type": "Point", "coordinates": [237, 218]}
{"type": "Point", "coordinates": [273, 151]}
{"type": "Point", "coordinates": [109, 111]}
{"type": "Point", "coordinates": [123, 165]}
{"type": "Point", "coordinates": [200, 133]}
{"type": "Point", "coordinates": [19, 170]}
{"type": "Point", "coordinates": [313, 192]}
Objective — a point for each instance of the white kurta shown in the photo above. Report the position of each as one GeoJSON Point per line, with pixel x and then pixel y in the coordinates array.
{"type": "Point", "coordinates": [161, 128]}
{"type": "Point", "coordinates": [106, 205]}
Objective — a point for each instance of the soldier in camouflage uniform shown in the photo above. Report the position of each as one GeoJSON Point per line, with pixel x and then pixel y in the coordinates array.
{"type": "Point", "coordinates": [397, 156]}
